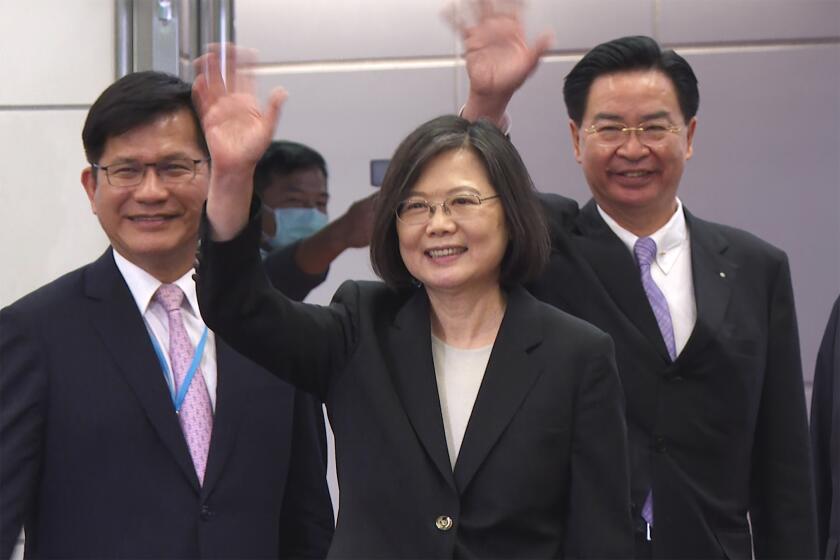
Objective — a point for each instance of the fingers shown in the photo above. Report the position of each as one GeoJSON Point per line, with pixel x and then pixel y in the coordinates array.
{"type": "Point", "coordinates": [241, 63]}
{"type": "Point", "coordinates": [452, 15]}
{"type": "Point", "coordinates": [482, 10]}
{"type": "Point", "coordinates": [229, 63]}
{"type": "Point", "coordinates": [207, 65]}
{"type": "Point", "coordinates": [233, 62]}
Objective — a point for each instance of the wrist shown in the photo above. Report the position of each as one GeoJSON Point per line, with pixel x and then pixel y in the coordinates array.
{"type": "Point", "coordinates": [490, 107]}
{"type": "Point", "coordinates": [228, 204]}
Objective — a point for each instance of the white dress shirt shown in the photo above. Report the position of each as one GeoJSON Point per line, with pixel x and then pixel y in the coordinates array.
{"type": "Point", "coordinates": [143, 287]}
{"type": "Point", "coordinates": [672, 272]}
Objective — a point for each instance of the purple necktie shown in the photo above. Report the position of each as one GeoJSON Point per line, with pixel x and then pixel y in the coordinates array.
{"type": "Point", "coordinates": [196, 415]}
{"type": "Point", "coordinates": [645, 251]}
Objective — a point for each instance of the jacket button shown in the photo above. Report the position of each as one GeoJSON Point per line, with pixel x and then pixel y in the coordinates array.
{"type": "Point", "coordinates": [206, 513]}
{"type": "Point", "coordinates": [443, 523]}
{"type": "Point", "coordinates": [659, 444]}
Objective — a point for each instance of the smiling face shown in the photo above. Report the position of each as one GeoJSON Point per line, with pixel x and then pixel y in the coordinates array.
{"type": "Point", "coordinates": [633, 179]}
{"type": "Point", "coordinates": [449, 255]}
{"type": "Point", "coordinates": [154, 224]}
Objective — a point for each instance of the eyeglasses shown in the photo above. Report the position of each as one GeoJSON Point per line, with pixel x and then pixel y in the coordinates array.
{"type": "Point", "coordinates": [132, 173]}
{"type": "Point", "coordinates": [417, 211]}
{"type": "Point", "coordinates": [618, 134]}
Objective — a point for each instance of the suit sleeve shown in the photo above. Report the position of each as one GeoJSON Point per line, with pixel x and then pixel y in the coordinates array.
{"type": "Point", "coordinates": [285, 274]}
{"type": "Point", "coordinates": [782, 511]}
{"type": "Point", "coordinates": [822, 412]}
{"type": "Point", "coordinates": [23, 383]}
{"type": "Point", "coordinates": [599, 520]}
{"type": "Point", "coordinates": [306, 519]}
{"type": "Point", "coordinates": [300, 343]}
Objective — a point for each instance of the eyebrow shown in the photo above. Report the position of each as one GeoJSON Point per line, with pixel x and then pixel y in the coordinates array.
{"type": "Point", "coordinates": [607, 117]}
{"type": "Point", "coordinates": [619, 118]}
{"type": "Point", "coordinates": [656, 115]}
{"type": "Point", "coordinates": [167, 157]}
{"type": "Point", "coordinates": [297, 189]}
{"type": "Point", "coordinates": [450, 192]}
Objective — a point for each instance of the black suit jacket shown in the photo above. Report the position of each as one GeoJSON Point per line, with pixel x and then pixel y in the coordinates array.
{"type": "Point", "coordinates": [825, 436]}
{"type": "Point", "coordinates": [542, 471]}
{"type": "Point", "coordinates": [92, 458]}
{"type": "Point", "coordinates": [722, 431]}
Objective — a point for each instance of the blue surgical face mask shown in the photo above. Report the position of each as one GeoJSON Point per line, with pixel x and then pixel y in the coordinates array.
{"type": "Point", "coordinates": [293, 224]}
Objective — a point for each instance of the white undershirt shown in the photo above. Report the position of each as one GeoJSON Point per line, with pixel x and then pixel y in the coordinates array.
{"type": "Point", "coordinates": [143, 287]}
{"type": "Point", "coordinates": [672, 272]}
{"type": "Point", "coordinates": [459, 373]}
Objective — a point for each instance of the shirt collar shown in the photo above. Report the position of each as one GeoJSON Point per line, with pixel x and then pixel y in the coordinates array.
{"type": "Point", "coordinates": [143, 285]}
{"type": "Point", "coordinates": [670, 239]}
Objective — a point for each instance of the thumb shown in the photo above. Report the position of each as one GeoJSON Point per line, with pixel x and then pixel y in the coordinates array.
{"type": "Point", "coordinates": [276, 100]}
{"type": "Point", "coordinates": [541, 45]}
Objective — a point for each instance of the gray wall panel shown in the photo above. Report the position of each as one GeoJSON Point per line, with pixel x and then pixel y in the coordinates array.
{"type": "Point", "coordinates": [581, 24]}
{"type": "Point", "coordinates": [727, 21]}
{"type": "Point", "coordinates": [286, 31]}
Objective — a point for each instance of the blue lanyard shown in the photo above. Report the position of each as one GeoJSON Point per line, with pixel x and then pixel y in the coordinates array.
{"type": "Point", "coordinates": [178, 400]}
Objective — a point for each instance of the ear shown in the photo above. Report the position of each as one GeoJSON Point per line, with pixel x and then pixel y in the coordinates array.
{"type": "Point", "coordinates": [89, 184]}
{"type": "Point", "coordinates": [573, 128]}
{"type": "Point", "coordinates": [689, 133]}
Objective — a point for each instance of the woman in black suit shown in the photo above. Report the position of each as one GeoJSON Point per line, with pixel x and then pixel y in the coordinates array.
{"type": "Point", "coordinates": [470, 420]}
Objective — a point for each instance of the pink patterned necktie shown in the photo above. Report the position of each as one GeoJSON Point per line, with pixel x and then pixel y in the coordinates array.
{"type": "Point", "coordinates": [196, 415]}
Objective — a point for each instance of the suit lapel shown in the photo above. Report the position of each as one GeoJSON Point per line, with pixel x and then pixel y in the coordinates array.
{"type": "Point", "coordinates": [231, 403]}
{"type": "Point", "coordinates": [615, 267]}
{"type": "Point", "coordinates": [414, 378]}
{"type": "Point", "coordinates": [510, 374]}
{"type": "Point", "coordinates": [713, 275]}
{"type": "Point", "coordinates": [120, 326]}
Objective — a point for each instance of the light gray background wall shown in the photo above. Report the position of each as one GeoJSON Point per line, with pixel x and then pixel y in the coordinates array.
{"type": "Point", "coordinates": [362, 73]}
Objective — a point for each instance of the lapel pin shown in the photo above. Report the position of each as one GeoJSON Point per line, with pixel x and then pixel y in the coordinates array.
{"type": "Point", "coordinates": [723, 275]}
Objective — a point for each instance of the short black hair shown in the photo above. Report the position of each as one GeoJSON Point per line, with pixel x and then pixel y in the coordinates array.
{"type": "Point", "coordinates": [283, 157]}
{"type": "Point", "coordinates": [528, 245]}
{"type": "Point", "coordinates": [134, 100]}
{"type": "Point", "coordinates": [625, 55]}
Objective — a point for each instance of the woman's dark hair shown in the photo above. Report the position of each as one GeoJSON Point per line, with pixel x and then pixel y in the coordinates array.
{"type": "Point", "coordinates": [132, 101]}
{"type": "Point", "coordinates": [528, 241]}
{"type": "Point", "coordinates": [626, 55]}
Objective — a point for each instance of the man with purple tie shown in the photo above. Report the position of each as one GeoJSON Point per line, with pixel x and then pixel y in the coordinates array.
{"type": "Point", "coordinates": [127, 430]}
{"type": "Point", "coordinates": [702, 314]}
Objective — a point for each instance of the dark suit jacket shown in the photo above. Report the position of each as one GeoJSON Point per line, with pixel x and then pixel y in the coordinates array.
{"type": "Point", "coordinates": [722, 431]}
{"type": "Point", "coordinates": [825, 436]}
{"type": "Point", "coordinates": [542, 470]}
{"type": "Point", "coordinates": [92, 458]}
